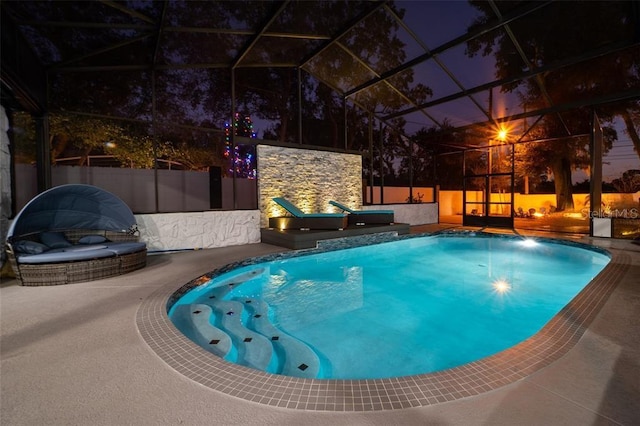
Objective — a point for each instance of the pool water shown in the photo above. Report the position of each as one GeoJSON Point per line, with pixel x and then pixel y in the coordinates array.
{"type": "Point", "coordinates": [394, 309]}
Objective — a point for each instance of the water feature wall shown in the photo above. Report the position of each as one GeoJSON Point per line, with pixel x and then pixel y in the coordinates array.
{"type": "Point", "coordinates": [308, 178]}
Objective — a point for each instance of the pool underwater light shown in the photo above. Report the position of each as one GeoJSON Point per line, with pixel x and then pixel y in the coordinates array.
{"type": "Point", "coordinates": [528, 242]}
{"type": "Point", "coordinates": [501, 286]}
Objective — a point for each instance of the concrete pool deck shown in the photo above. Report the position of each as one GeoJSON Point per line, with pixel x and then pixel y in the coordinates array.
{"type": "Point", "coordinates": [73, 355]}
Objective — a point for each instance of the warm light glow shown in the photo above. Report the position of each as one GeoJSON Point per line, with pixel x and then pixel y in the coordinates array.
{"type": "Point", "coordinates": [573, 215]}
{"type": "Point", "coordinates": [538, 214]}
{"type": "Point", "coordinates": [109, 144]}
{"type": "Point", "coordinates": [504, 131]}
{"type": "Point", "coordinates": [501, 286]}
{"type": "Point", "coordinates": [306, 199]}
{"type": "Point", "coordinates": [275, 210]}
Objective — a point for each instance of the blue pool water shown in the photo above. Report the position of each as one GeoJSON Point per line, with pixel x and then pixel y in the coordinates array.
{"type": "Point", "coordinates": [394, 309]}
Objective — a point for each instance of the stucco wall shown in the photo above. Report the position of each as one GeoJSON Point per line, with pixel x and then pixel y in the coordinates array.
{"type": "Point", "coordinates": [307, 178]}
{"type": "Point", "coordinates": [413, 214]}
{"type": "Point", "coordinates": [199, 230]}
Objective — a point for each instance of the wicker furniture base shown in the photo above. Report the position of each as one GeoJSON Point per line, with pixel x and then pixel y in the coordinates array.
{"type": "Point", "coordinates": [133, 261]}
{"type": "Point", "coordinates": [80, 271]}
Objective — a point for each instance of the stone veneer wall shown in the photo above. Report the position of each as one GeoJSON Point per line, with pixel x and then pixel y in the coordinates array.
{"type": "Point", "coordinates": [307, 178]}
{"type": "Point", "coordinates": [5, 182]}
{"type": "Point", "coordinates": [199, 230]}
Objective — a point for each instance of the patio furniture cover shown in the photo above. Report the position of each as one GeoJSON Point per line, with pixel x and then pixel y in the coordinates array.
{"type": "Point", "coordinates": [73, 206]}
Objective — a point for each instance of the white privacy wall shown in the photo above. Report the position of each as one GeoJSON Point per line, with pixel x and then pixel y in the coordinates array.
{"type": "Point", "coordinates": [413, 214]}
{"type": "Point", "coordinates": [199, 230]}
{"type": "Point", "coordinates": [307, 178]}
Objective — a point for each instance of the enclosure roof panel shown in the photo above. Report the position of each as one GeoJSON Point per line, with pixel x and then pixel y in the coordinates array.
{"type": "Point", "coordinates": [435, 62]}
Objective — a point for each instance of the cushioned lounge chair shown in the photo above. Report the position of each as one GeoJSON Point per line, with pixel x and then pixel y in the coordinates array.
{"type": "Point", "coordinates": [73, 233]}
{"type": "Point", "coordinates": [306, 221]}
{"type": "Point", "coordinates": [365, 217]}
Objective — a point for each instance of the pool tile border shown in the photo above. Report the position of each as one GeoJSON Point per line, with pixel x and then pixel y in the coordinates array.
{"type": "Point", "coordinates": [475, 378]}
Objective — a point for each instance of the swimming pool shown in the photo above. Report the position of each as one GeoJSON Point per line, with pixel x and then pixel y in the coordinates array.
{"type": "Point", "coordinates": [435, 303]}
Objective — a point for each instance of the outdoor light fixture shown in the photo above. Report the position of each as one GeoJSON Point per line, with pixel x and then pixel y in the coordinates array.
{"type": "Point", "coordinates": [502, 133]}
{"type": "Point", "coordinates": [529, 242]}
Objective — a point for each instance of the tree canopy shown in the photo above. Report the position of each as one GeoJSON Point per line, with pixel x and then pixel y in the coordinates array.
{"type": "Point", "coordinates": [605, 74]}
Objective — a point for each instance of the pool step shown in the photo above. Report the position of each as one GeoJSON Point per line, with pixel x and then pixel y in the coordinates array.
{"type": "Point", "coordinates": [297, 359]}
{"type": "Point", "coordinates": [228, 284]}
{"type": "Point", "coordinates": [254, 350]}
{"type": "Point", "coordinates": [240, 331]}
{"type": "Point", "coordinates": [194, 321]}
{"type": "Point", "coordinates": [215, 294]}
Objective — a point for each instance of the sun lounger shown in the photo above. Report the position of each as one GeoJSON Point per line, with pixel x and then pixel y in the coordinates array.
{"type": "Point", "coordinates": [306, 221]}
{"type": "Point", "coordinates": [366, 217]}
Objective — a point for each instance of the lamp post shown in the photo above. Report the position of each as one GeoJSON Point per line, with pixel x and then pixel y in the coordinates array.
{"type": "Point", "coordinates": [501, 136]}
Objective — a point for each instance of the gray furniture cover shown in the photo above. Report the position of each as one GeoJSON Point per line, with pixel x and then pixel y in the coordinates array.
{"type": "Point", "coordinates": [73, 206]}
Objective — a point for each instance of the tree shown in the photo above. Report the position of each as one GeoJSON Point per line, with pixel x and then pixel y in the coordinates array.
{"type": "Point", "coordinates": [428, 142]}
{"type": "Point", "coordinates": [241, 161]}
{"type": "Point", "coordinates": [72, 136]}
{"type": "Point", "coordinates": [272, 94]}
{"type": "Point", "coordinates": [78, 137]}
{"type": "Point", "coordinates": [628, 182]}
{"type": "Point", "coordinates": [631, 118]}
{"type": "Point", "coordinates": [557, 159]}
{"type": "Point", "coordinates": [23, 137]}
{"type": "Point", "coordinates": [440, 154]}
{"type": "Point", "coordinates": [174, 79]}
{"type": "Point", "coordinates": [568, 30]}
